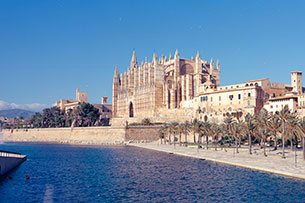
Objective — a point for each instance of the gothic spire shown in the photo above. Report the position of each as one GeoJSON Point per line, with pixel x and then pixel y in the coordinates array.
{"type": "Point", "coordinates": [176, 54]}
{"type": "Point", "coordinates": [212, 63]}
{"type": "Point", "coordinates": [217, 65]}
{"type": "Point", "coordinates": [155, 60]}
{"type": "Point", "coordinates": [197, 56]}
{"type": "Point", "coordinates": [133, 62]}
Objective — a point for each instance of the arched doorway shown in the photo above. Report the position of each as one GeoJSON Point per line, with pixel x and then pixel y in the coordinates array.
{"type": "Point", "coordinates": [130, 110]}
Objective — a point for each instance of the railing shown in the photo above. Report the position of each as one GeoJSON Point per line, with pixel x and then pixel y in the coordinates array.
{"type": "Point", "coordinates": [11, 154]}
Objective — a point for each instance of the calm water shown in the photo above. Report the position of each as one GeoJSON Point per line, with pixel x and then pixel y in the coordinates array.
{"type": "Point", "coordinates": [64, 173]}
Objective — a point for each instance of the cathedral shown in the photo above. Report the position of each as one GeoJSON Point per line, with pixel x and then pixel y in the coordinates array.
{"type": "Point", "coordinates": [178, 89]}
{"type": "Point", "coordinates": [162, 87]}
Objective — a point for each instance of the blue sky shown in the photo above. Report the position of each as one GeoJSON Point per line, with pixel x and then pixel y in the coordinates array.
{"type": "Point", "coordinates": [49, 48]}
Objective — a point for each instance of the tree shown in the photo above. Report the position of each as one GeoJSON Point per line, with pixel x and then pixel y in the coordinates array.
{"type": "Point", "coordinates": [237, 131]}
{"type": "Point", "coordinates": [250, 124]}
{"type": "Point", "coordinates": [186, 129]}
{"type": "Point", "coordinates": [274, 126]}
{"type": "Point", "coordinates": [302, 128]}
{"type": "Point", "coordinates": [86, 114]}
{"type": "Point", "coordinates": [205, 130]}
{"type": "Point", "coordinates": [284, 116]}
{"type": "Point", "coordinates": [173, 130]}
{"type": "Point", "coordinates": [180, 130]}
{"type": "Point", "coordinates": [196, 129]}
{"type": "Point", "coordinates": [262, 128]}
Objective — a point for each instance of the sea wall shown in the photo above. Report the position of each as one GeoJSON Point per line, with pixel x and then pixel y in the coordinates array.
{"type": "Point", "coordinates": [83, 135]}
{"type": "Point", "coordinates": [142, 133]}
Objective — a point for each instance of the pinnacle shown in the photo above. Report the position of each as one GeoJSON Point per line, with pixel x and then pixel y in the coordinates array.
{"type": "Point", "coordinates": [134, 58]}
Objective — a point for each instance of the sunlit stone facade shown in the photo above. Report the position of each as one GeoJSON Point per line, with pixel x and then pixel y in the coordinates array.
{"type": "Point", "coordinates": [181, 88]}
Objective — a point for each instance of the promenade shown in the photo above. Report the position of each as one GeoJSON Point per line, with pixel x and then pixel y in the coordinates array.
{"type": "Point", "coordinates": [273, 163]}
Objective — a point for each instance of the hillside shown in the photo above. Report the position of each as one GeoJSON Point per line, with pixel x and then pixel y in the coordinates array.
{"type": "Point", "coordinates": [12, 113]}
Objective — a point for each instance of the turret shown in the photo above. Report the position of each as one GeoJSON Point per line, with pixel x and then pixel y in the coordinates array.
{"type": "Point", "coordinates": [155, 60]}
{"type": "Point", "coordinates": [115, 90]}
{"type": "Point", "coordinates": [198, 63]}
{"type": "Point", "coordinates": [217, 65]}
{"type": "Point", "coordinates": [212, 64]}
{"type": "Point", "coordinates": [133, 63]}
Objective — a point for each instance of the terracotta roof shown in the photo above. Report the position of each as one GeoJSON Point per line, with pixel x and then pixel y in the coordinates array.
{"type": "Point", "coordinates": [284, 97]}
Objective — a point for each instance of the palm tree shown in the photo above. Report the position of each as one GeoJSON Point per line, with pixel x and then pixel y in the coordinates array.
{"type": "Point", "coordinates": [173, 130]}
{"type": "Point", "coordinates": [228, 122]}
{"type": "Point", "coordinates": [186, 129]}
{"type": "Point", "coordinates": [180, 130]}
{"type": "Point", "coordinates": [205, 130]}
{"type": "Point", "coordinates": [262, 128]}
{"type": "Point", "coordinates": [274, 125]}
{"type": "Point", "coordinates": [237, 131]}
{"type": "Point", "coordinates": [293, 129]}
{"type": "Point", "coordinates": [215, 131]}
{"type": "Point", "coordinates": [162, 133]}
{"type": "Point", "coordinates": [196, 129]}
{"type": "Point", "coordinates": [284, 116]}
{"type": "Point", "coordinates": [302, 128]}
{"type": "Point", "coordinates": [250, 125]}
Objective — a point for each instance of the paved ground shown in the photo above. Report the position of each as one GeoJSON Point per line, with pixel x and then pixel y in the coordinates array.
{"type": "Point", "coordinates": [273, 163]}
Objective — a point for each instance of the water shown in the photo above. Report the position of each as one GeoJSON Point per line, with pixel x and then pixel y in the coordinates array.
{"type": "Point", "coordinates": [64, 173]}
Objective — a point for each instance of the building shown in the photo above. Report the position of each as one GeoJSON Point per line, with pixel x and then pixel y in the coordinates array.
{"type": "Point", "coordinates": [161, 88]}
{"type": "Point", "coordinates": [66, 104]}
{"type": "Point", "coordinates": [104, 108]}
{"type": "Point", "coordinates": [179, 89]}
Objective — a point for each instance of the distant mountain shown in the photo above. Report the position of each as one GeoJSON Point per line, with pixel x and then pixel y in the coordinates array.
{"type": "Point", "coordinates": [12, 113]}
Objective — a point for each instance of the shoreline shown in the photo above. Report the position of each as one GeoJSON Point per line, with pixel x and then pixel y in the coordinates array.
{"type": "Point", "coordinates": [257, 162]}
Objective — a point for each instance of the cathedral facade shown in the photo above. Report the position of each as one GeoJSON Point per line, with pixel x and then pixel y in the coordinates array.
{"type": "Point", "coordinates": [161, 87]}
{"type": "Point", "coordinates": [178, 89]}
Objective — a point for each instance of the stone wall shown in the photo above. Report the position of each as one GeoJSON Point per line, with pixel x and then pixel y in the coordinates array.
{"type": "Point", "coordinates": [82, 135]}
{"type": "Point", "coordinates": [142, 133]}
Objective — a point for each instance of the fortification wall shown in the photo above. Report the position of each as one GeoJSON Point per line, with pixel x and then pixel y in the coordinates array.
{"type": "Point", "coordinates": [142, 133]}
{"type": "Point", "coordinates": [83, 135]}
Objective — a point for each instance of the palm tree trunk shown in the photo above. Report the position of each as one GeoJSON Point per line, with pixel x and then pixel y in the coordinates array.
{"type": "Point", "coordinates": [291, 144]}
{"type": "Point", "coordinates": [170, 139]}
{"type": "Point", "coordinates": [264, 141]}
{"type": "Point", "coordinates": [195, 138]}
{"type": "Point", "coordinates": [275, 141]}
{"type": "Point", "coordinates": [207, 141]}
{"type": "Point", "coordinates": [198, 143]}
{"type": "Point", "coordinates": [283, 140]}
{"type": "Point", "coordinates": [303, 146]}
{"type": "Point", "coordinates": [185, 141]}
{"type": "Point", "coordinates": [180, 139]}
{"type": "Point", "coordinates": [250, 143]}
{"type": "Point", "coordinates": [236, 145]}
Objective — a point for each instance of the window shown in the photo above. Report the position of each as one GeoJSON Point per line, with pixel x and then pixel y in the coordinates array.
{"type": "Point", "coordinates": [271, 107]}
{"type": "Point", "coordinates": [273, 95]}
{"type": "Point", "coordinates": [219, 98]}
{"type": "Point", "coordinates": [239, 96]}
{"type": "Point", "coordinates": [249, 94]}
{"type": "Point", "coordinates": [248, 102]}
{"type": "Point", "coordinates": [231, 97]}
{"type": "Point", "coordinates": [211, 99]}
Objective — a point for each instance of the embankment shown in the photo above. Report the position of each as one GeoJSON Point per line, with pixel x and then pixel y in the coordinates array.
{"type": "Point", "coordinates": [83, 135]}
